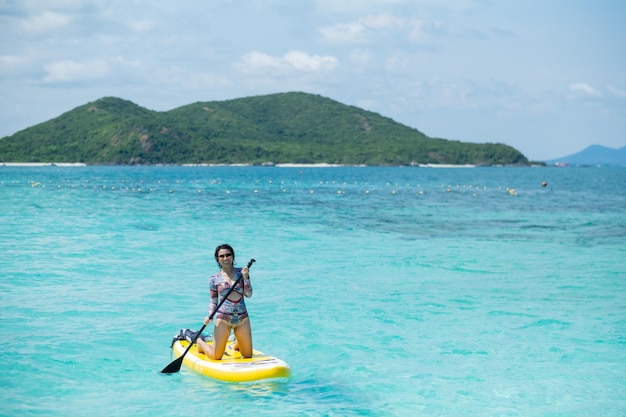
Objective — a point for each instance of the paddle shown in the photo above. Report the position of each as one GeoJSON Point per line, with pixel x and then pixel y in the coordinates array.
{"type": "Point", "coordinates": [175, 365]}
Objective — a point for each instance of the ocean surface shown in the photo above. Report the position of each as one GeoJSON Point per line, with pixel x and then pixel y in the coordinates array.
{"type": "Point", "coordinates": [389, 291]}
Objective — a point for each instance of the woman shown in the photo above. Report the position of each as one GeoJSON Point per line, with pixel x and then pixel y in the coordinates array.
{"type": "Point", "coordinates": [232, 314]}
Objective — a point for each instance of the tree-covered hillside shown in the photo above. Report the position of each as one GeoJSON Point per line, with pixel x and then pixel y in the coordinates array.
{"type": "Point", "coordinates": [277, 128]}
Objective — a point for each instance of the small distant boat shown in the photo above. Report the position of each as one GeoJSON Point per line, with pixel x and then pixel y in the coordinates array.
{"type": "Point", "coordinates": [561, 164]}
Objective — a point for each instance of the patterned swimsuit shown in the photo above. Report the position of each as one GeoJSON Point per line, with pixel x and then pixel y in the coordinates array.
{"type": "Point", "coordinates": [233, 312]}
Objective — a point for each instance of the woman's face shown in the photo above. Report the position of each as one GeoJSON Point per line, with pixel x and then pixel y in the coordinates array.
{"type": "Point", "coordinates": [225, 257]}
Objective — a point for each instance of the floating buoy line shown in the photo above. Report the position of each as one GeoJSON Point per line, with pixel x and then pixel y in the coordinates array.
{"type": "Point", "coordinates": [260, 187]}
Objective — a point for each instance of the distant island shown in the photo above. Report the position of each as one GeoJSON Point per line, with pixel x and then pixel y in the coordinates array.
{"type": "Point", "coordinates": [285, 128]}
{"type": "Point", "coordinates": [593, 155]}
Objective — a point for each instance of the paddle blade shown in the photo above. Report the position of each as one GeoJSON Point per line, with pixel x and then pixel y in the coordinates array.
{"type": "Point", "coordinates": [173, 367]}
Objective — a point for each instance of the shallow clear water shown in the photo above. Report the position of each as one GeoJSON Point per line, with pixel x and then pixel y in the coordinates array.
{"type": "Point", "coordinates": [390, 291]}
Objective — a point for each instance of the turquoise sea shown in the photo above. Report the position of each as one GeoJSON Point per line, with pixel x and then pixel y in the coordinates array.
{"type": "Point", "coordinates": [389, 291]}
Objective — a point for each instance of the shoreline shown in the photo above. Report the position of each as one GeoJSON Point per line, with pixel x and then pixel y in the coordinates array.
{"type": "Point", "coordinates": [42, 164]}
{"type": "Point", "coordinates": [277, 165]}
{"type": "Point", "coordinates": [280, 165]}
{"type": "Point", "coordinates": [445, 166]}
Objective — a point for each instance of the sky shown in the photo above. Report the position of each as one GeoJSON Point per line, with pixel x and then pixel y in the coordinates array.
{"type": "Point", "coordinates": [547, 77]}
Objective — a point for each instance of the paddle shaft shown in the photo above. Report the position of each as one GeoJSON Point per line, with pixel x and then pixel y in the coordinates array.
{"type": "Point", "coordinates": [175, 365]}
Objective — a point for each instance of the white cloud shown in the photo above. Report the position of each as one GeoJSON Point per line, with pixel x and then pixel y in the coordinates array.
{"type": "Point", "coordinates": [69, 71]}
{"type": "Point", "coordinates": [371, 27]}
{"type": "Point", "coordinates": [10, 63]}
{"type": "Point", "coordinates": [465, 94]}
{"type": "Point", "coordinates": [398, 62]}
{"type": "Point", "coordinates": [583, 88]}
{"type": "Point", "coordinates": [45, 21]}
{"type": "Point", "coordinates": [129, 63]}
{"type": "Point", "coordinates": [141, 26]}
{"type": "Point", "coordinates": [360, 57]}
{"type": "Point", "coordinates": [54, 4]}
{"type": "Point", "coordinates": [416, 30]}
{"type": "Point", "coordinates": [344, 33]}
{"type": "Point", "coordinates": [292, 62]}
{"type": "Point", "coordinates": [310, 63]}
{"type": "Point", "coordinates": [347, 6]}
{"type": "Point", "coordinates": [382, 21]}
{"type": "Point", "coordinates": [617, 92]}
{"type": "Point", "coordinates": [258, 61]}
{"type": "Point", "coordinates": [357, 6]}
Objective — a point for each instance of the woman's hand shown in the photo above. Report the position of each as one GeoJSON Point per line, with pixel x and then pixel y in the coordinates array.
{"type": "Point", "coordinates": [245, 272]}
{"type": "Point", "coordinates": [207, 320]}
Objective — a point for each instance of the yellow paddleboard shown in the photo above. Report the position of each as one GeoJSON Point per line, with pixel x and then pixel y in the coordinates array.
{"type": "Point", "coordinates": [233, 367]}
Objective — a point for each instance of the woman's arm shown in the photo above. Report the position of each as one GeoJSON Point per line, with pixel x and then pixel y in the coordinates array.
{"type": "Point", "coordinates": [247, 285]}
{"type": "Point", "coordinates": [214, 296]}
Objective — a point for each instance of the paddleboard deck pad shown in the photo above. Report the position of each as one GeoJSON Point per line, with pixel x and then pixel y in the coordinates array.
{"type": "Point", "coordinates": [232, 367]}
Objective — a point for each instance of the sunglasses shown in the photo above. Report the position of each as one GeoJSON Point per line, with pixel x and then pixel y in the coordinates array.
{"type": "Point", "coordinates": [225, 255]}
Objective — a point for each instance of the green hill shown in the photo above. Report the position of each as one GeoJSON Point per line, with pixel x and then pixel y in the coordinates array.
{"type": "Point", "coordinates": [277, 128]}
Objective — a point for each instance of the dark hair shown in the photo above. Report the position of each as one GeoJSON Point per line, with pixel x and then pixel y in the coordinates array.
{"type": "Point", "coordinates": [224, 246]}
